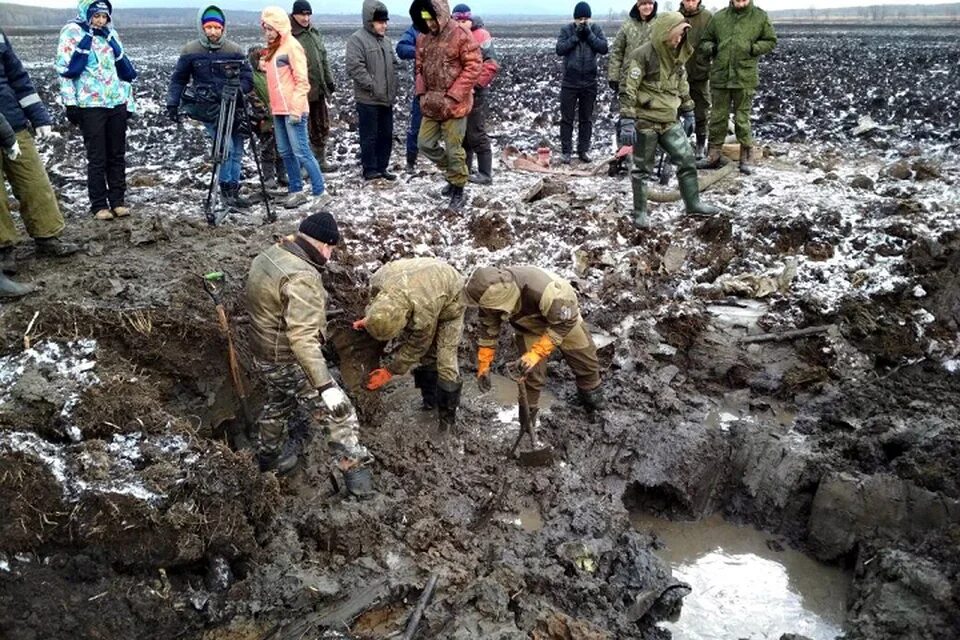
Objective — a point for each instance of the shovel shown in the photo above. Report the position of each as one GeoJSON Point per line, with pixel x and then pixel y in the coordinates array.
{"type": "Point", "coordinates": [539, 454]}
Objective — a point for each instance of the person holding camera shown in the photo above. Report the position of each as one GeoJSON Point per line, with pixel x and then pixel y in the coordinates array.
{"type": "Point", "coordinates": [95, 76]}
{"type": "Point", "coordinates": [579, 43]}
{"type": "Point", "coordinates": [288, 83]}
{"type": "Point", "coordinates": [204, 68]}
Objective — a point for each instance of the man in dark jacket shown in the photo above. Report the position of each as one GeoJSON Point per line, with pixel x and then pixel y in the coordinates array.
{"type": "Point", "coordinates": [448, 65]}
{"type": "Point", "coordinates": [321, 80]}
{"type": "Point", "coordinates": [698, 70]}
{"type": "Point", "coordinates": [735, 39]}
{"type": "Point", "coordinates": [205, 65]}
{"type": "Point", "coordinates": [407, 50]}
{"type": "Point", "coordinates": [579, 44]}
{"type": "Point", "coordinates": [372, 67]}
{"type": "Point", "coordinates": [22, 108]}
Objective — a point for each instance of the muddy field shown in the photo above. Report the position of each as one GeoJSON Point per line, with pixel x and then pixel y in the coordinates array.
{"type": "Point", "coordinates": [123, 513]}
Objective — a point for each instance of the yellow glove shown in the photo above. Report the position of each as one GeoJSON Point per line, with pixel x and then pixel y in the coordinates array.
{"type": "Point", "coordinates": [540, 350]}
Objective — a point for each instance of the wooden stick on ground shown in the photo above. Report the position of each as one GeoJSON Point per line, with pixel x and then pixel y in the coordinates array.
{"type": "Point", "coordinates": [421, 606]}
{"type": "Point", "coordinates": [787, 335]}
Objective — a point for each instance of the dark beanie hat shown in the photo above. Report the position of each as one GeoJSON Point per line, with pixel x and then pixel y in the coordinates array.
{"type": "Point", "coordinates": [582, 10]}
{"type": "Point", "coordinates": [321, 226]}
{"type": "Point", "coordinates": [301, 6]}
{"type": "Point", "coordinates": [461, 8]}
{"type": "Point", "coordinates": [380, 14]}
{"type": "Point", "coordinates": [101, 6]}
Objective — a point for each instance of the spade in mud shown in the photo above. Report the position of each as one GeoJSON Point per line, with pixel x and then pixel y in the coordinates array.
{"type": "Point", "coordinates": [539, 454]}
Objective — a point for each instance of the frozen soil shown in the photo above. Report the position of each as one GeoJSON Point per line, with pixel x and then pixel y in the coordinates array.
{"type": "Point", "coordinates": [123, 510]}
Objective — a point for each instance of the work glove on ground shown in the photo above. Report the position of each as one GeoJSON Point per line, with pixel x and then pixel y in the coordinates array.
{"type": "Point", "coordinates": [13, 152]}
{"type": "Point", "coordinates": [688, 121]}
{"type": "Point", "coordinates": [44, 131]}
{"type": "Point", "coordinates": [336, 401]}
{"type": "Point", "coordinates": [173, 112]}
{"type": "Point", "coordinates": [613, 84]}
{"type": "Point", "coordinates": [378, 378]}
{"type": "Point", "coordinates": [628, 132]}
{"type": "Point", "coordinates": [73, 116]}
{"type": "Point", "coordinates": [540, 350]}
{"type": "Point", "coordinates": [485, 357]}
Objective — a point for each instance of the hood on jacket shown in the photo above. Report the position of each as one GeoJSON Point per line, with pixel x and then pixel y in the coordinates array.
{"type": "Point", "coordinates": [660, 33]}
{"type": "Point", "coordinates": [492, 288]}
{"type": "Point", "coordinates": [635, 12]}
{"type": "Point", "coordinates": [370, 8]}
{"type": "Point", "coordinates": [295, 27]}
{"type": "Point", "coordinates": [277, 18]}
{"type": "Point", "coordinates": [476, 22]}
{"type": "Point", "coordinates": [84, 7]}
{"type": "Point", "coordinates": [203, 37]}
{"type": "Point", "coordinates": [439, 9]}
{"type": "Point", "coordinates": [387, 316]}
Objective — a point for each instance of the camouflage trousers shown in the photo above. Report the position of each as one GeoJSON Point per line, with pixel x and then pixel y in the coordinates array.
{"type": "Point", "coordinates": [31, 187]}
{"type": "Point", "coordinates": [442, 354]}
{"type": "Point", "coordinates": [450, 155]}
{"type": "Point", "coordinates": [577, 349]}
{"type": "Point", "coordinates": [700, 94]}
{"type": "Point", "coordinates": [741, 101]}
{"type": "Point", "coordinates": [287, 389]}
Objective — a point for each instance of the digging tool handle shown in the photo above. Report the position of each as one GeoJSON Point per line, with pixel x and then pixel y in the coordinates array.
{"type": "Point", "coordinates": [524, 411]}
{"type": "Point", "coordinates": [234, 365]}
{"type": "Point", "coordinates": [417, 614]}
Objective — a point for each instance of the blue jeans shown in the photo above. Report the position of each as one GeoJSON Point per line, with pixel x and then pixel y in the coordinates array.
{"type": "Point", "coordinates": [229, 170]}
{"type": "Point", "coordinates": [375, 125]}
{"type": "Point", "coordinates": [414, 130]}
{"type": "Point", "coordinates": [293, 144]}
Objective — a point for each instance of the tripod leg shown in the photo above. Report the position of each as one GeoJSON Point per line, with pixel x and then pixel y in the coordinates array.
{"type": "Point", "coordinates": [271, 216]}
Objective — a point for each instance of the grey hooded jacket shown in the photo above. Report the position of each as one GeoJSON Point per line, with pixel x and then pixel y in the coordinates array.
{"type": "Point", "coordinates": [371, 63]}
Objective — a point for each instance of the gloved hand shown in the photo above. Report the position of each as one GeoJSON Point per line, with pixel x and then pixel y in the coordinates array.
{"type": "Point", "coordinates": [540, 350]}
{"type": "Point", "coordinates": [378, 378]}
{"type": "Point", "coordinates": [13, 152]}
{"type": "Point", "coordinates": [689, 122]}
{"type": "Point", "coordinates": [173, 112]}
{"type": "Point", "coordinates": [485, 357]}
{"type": "Point", "coordinates": [43, 131]}
{"type": "Point", "coordinates": [628, 132]}
{"type": "Point", "coordinates": [614, 85]}
{"type": "Point", "coordinates": [294, 119]}
{"type": "Point", "coordinates": [583, 30]}
{"type": "Point", "coordinates": [336, 401]}
{"type": "Point", "coordinates": [103, 32]}
{"type": "Point", "coordinates": [360, 325]}
{"type": "Point", "coordinates": [73, 116]}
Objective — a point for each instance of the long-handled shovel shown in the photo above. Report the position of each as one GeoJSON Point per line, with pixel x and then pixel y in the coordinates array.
{"type": "Point", "coordinates": [539, 454]}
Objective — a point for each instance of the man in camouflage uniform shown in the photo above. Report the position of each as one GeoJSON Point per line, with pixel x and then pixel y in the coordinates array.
{"type": "Point", "coordinates": [424, 297]}
{"type": "Point", "coordinates": [288, 318]}
{"type": "Point", "coordinates": [735, 39]}
{"type": "Point", "coordinates": [543, 309]}
{"type": "Point", "coordinates": [698, 70]}
{"type": "Point", "coordinates": [321, 81]}
{"type": "Point", "coordinates": [654, 88]}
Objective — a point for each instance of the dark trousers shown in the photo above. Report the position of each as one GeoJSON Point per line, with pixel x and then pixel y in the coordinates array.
{"type": "Point", "coordinates": [414, 130]}
{"type": "Point", "coordinates": [105, 139]}
{"type": "Point", "coordinates": [477, 141]}
{"type": "Point", "coordinates": [318, 126]}
{"type": "Point", "coordinates": [577, 103]}
{"type": "Point", "coordinates": [375, 125]}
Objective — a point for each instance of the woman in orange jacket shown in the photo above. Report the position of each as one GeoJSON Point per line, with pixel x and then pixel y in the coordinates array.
{"type": "Point", "coordinates": [285, 65]}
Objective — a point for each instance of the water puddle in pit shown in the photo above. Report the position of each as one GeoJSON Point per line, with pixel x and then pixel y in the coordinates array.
{"type": "Point", "coordinates": [744, 589]}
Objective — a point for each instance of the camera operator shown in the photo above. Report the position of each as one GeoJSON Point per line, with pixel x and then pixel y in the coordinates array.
{"type": "Point", "coordinates": [207, 65]}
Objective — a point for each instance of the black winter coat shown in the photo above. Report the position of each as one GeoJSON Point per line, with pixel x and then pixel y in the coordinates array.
{"type": "Point", "coordinates": [580, 54]}
{"type": "Point", "coordinates": [19, 101]}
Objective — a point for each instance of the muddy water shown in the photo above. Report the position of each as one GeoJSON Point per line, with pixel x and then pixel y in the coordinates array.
{"type": "Point", "coordinates": [743, 588]}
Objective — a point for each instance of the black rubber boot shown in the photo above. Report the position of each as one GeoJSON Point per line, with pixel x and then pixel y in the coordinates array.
{"type": "Point", "coordinates": [447, 190]}
{"type": "Point", "coordinates": [700, 151]}
{"type": "Point", "coordinates": [746, 158]}
{"type": "Point", "coordinates": [325, 165]}
{"type": "Point", "coordinates": [238, 200]}
{"type": "Point", "coordinates": [411, 162]}
{"type": "Point", "coordinates": [458, 200]}
{"type": "Point", "coordinates": [10, 290]}
{"type": "Point", "coordinates": [448, 399]}
{"type": "Point", "coordinates": [7, 263]}
{"type": "Point", "coordinates": [591, 399]}
{"type": "Point", "coordinates": [484, 174]}
{"type": "Point", "coordinates": [469, 154]}
{"type": "Point", "coordinates": [359, 482]}
{"type": "Point", "coordinates": [283, 460]}
{"type": "Point", "coordinates": [426, 380]}
{"type": "Point", "coordinates": [54, 247]}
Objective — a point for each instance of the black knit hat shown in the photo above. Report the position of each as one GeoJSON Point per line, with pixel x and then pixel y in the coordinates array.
{"type": "Point", "coordinates": [582, 10]}
{"type": "Point", "coordinates": [301, 7]}
{"type": "Point", "coordinates": [321, 226]}
{"type": "Point", "coordinates": [380, 14]}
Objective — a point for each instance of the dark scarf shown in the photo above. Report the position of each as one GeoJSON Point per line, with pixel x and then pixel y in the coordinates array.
{"type": "Point", "coordinates": [303, 249]}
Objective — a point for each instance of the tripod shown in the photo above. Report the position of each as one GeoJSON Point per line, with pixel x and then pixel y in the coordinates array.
{"type": "Point", "coordinates": [229, 99]}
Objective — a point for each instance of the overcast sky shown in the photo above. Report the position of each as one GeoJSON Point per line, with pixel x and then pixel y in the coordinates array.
{"type": "Point", "coordinates": [489, 7]}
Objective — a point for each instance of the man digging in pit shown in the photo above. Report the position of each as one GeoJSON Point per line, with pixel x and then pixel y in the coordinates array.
{"type": "Point", "coordinates": [424, 297]}
{"type": "Point", "coordinates": [544, 311]}
{"type": "Point", "coordinates": [288, 317]}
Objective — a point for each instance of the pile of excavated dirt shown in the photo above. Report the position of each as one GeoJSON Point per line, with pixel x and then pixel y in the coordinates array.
{"type": "Point", "coordinates": [792, 363]}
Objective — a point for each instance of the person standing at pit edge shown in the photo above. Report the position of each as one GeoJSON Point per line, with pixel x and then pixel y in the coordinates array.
{"type": "Point", "coordinates": [448, 65]}
{"type": "Point", "coordinates": [579, 44]}
{"type": "Point", "coordinates": [285, 65]}
{"type": "Point", "coordinates": [21, 107]}
{"type": "Point", "coordinates": [95, 76]}
{"type": "Point", "coordinates": [698, 70]}
{"type": "Point", "coordinates": [372, 67]}
{"type": "Point", "coordinates": [288, 319]}
{"type": "Point", "coordinates": [735, 39]}
{"type": "Point", "coordinates": [477, 142]}
{"type": "Point", "coordinates": [205, 65]}
{"type": "Point", "coordinates": [321, 81]}
{"type": "Point", "coordinates": [407, 50]}
{"type": "Point", "coordinates": [654, 89]}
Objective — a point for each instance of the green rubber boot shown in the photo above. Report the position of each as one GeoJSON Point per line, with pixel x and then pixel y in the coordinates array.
{"type": "Point", "coordinates": [643, 152]}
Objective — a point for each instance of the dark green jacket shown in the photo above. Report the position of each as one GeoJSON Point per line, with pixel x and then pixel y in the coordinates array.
{"type": "Point", "coordinates": [633, 32]}
{"type": "Point", "coordinates": [734, 39]}
{"type": "Point", "coordinates": [698, 68]}
{"type": "Point", "coordinates": [654, 85]}
{"type": "Point", "coordinates": [318, 67]}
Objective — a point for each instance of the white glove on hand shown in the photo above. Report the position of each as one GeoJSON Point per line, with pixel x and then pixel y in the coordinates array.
{"type": "Point", "coordinates": [45, 131]}
{"type": "Point", "coordinates": [336, 402]}
{"type": "Point", "coordinates": [13, 152]}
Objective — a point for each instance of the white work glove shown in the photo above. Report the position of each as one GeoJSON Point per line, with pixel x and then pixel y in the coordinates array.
{"type": "Point", "coordinates": [45, 131]}
{"type": "Point", "coordinates": [336, 402]}
{"type": "Point", "coordinates": [13, 152]}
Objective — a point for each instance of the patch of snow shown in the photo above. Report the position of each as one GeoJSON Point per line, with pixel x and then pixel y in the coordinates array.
{"type": "Point", "coordinates": [952, 365]}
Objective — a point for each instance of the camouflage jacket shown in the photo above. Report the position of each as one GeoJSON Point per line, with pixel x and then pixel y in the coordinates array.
{"type": "Point", "coordinates": [288, 309]}
{"type": "Point", "coordinates": [532, 299]}
{"type": "Point", "coordinates": [634, 32]}
{"type": "Point", "coordinates": [413, 295]}
{"type": "Point", "coordinates": [734, 40]}
{"type": "Point", "coordinates": [698, 68]}
{"type": "Point", "coordinates": [655, 84]}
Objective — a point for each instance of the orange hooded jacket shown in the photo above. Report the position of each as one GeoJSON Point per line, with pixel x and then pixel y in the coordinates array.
{"type": "Point", "coordinates": [288, 82]}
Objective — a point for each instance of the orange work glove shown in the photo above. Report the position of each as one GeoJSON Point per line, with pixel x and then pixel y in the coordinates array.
{"type": "Point", "coordinates": [540, 350]}
{"type": "Point", "coordinates": [485, 359]}
{"type": "Point", "coordinates": [360, 325]}
{"type": "Point", "coordinates": [378, 378]}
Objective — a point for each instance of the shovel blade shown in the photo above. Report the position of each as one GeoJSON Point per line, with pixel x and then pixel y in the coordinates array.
{"type": "Point", "coordinates": [542, 457]}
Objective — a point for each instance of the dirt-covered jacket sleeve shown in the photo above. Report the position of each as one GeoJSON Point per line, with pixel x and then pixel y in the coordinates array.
{"type": "Point", "coordinates": [560, 308]}
{"type": "Point", "coordinates": [630, 85]}
{"type": "Point", "coordinates": [421, 331]}
{"type": "Point", "coordinates": [8, 137]}
{"type": "Point", "coordinates": [471, 63]}
{"type": "Point", "coordinates": [567, 40]}
{"type": "Point", "coordinates": [596, 39]}
{"type": "Point", "coordinates": [616, 56]}
{"type": "Point", "coordinates": [305, 318]}
{"type": "Point", "coordinates": [489, 331]}
{"type": "Point", "coordinates": [767, 40]}
{"type": "Point", "coordinates": [19, 82]}
{"type": "Point", "coordinates": [356, 63]}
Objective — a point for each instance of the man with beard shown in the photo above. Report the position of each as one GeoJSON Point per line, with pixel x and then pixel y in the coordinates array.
{"type": "Point", "coordinates": [321, 80]}
{"type": "Point", "coordinates": [654, 88]}
{"type": "Point", "coordinates": [448, 66]}
{"type": "Point", "coordinates": [698, 70]}
{"type": "Point", "coordinates": [735, 39]}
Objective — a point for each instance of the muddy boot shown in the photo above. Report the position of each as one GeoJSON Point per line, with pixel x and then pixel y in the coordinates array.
{"type": "Point", "coordinates": [484, 174]}
{"type": "Point", "coordinates": [238, 200]}
{"type": "Point", "coordinates": [591, 399]}
{"type": "Point", "coordinates": [746, 157]}
{"type": "Point", "coordinates": [469, 154]}
{"type": "Point", "coordinates": [283, 460]}
{"type": "Point", "coordinates": [640, 220]}
{"type": "Point", "coordinates": [644, 149]}
{"type": "Point", "coordinates": [411, 162]}
{"type": "Point", "coordinates": [447, 190]}
{"type": "Point", "coordinates": [7, 263]}
{"type": "Point", "coordinates": [458, 200]}
{"type": "Point", "coordinates": [358, 481]}
{"type": "Point", "coordinates": [425, 379]}
{"type": "Point", "coordinates": [54, 247]}
{"type": "Point", "coordinates": [448, 399]}
{"type": "Point", "coordinates": [10, 290]}
{"type": "Point", "coordinates": [690, 192]}
{"type": "Point", "coordinates": [713, 159]}
{"type": "Point", "coordinates": [326, 165]}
